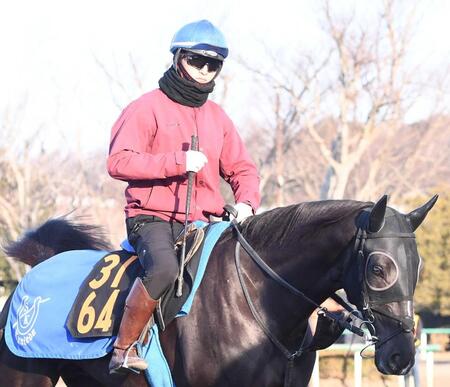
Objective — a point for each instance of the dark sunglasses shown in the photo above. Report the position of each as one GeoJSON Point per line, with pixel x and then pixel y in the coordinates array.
{"type": "Point", "coordinates": [199, 61]}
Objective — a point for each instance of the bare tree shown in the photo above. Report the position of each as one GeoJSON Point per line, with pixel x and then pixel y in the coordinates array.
{"type": "Point", "coordinates": [25, 189]}
{"type": "Point", "coordinates": [37, 185]}
{"type": "Point", "coordinates": [337, 114]}
{"type": "Point", "coordinates": [123, 93]}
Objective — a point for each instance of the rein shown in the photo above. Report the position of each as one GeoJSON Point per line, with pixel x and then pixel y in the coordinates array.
{"type": "Point", "coordinates": [366, 316]}
{"type": "Point", "coordinates": [241, 241]}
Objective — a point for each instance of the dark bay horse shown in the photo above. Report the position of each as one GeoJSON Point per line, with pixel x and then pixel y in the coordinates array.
{"type": "Point", "coordinates": [316, 248]}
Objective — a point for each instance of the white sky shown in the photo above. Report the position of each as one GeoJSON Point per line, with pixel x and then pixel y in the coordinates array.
{"type": "Point", "coordinates": [48, 51]}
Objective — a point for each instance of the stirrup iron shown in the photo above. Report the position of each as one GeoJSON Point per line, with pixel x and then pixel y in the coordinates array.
{"type": "Point", "coordinates": [124, 365]}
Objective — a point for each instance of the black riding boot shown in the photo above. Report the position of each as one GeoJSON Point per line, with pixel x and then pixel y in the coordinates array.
{"type": "Point", "coordinates": [139, 307]}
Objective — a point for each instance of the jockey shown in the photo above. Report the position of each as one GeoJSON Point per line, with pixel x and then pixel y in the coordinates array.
{"type": "Point", "coordinates": [150, 151]}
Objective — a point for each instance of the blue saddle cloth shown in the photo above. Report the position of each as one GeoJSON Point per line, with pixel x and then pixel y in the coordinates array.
{"type": "Point", "coordinates": [41, 303]}
{"type": "Point", "coordinates": [36, 325]}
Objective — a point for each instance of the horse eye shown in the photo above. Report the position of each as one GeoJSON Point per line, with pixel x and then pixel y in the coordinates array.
{"type": "Point", "coordinates": [377, 270]}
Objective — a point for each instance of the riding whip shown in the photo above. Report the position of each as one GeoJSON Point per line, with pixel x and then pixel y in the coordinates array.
{"type": "Point", "coordinates": [191, 175]}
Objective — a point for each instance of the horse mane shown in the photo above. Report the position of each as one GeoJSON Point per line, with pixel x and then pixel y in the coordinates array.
{"type": "Point", "coordinates": [309, 219]}
{"type": "Point", "coordinates": [54, 237]}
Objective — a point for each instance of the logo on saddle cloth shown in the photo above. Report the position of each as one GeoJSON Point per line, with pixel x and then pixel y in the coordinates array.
{"type": "Point", "coordinates": [27, 315]}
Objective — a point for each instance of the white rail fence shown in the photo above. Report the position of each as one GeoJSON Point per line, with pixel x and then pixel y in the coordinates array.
{"type": "Point", "coordinates": [426, 354]}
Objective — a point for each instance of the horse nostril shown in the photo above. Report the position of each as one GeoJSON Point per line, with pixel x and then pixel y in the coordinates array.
{"type": "Point", "coordinates": [394, 362]}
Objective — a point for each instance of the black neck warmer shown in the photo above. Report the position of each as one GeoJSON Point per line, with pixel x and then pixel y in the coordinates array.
{"type": "Point", "coordinates": [183, 91]}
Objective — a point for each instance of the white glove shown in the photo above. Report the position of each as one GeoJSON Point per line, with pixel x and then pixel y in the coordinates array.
{"type": "Point", "coordinates": [195, 161]}
{"type": "Point", "coordinates": [243, 210]}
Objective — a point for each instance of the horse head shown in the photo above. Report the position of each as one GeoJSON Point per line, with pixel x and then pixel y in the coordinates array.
{"type": "Point", "coordinates": [387, 270]}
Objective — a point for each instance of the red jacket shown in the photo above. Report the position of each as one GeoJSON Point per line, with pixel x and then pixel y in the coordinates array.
{"type": "Point", "coordinates": [147, 150]}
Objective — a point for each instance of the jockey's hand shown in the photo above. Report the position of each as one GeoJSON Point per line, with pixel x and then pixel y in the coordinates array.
{"type": "Point", "coordinates": [243, 210]}
{"type": "Point", "coordinates": [195, 161]}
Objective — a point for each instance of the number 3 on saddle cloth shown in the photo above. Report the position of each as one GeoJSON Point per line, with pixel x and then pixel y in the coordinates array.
{"type": "Point", "coordinates": [70, 305]}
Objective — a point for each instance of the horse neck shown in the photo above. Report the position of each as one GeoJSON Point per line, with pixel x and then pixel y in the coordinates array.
{"type": "Point", "coordinates": [312, 265]}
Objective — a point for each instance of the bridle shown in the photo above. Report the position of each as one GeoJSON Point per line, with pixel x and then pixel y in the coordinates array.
{"type": "Point", "coordinates": [366, 315]}
{"type": "Point", "coordinates": [369, 307]}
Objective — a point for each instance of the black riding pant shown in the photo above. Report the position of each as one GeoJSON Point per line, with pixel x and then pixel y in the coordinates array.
{"type": "Point", "coordinates": [153, 240]}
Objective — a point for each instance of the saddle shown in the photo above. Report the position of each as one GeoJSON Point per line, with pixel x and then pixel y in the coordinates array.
{"type": "Point", "coordinates": [169, 304]}
{"type": "Point", "coordinates": [105, 289]}
{"type": "Point", "coordinates": [194, 239]}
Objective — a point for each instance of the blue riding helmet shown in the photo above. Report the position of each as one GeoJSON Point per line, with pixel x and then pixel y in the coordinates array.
{"type": "Point", "coordinates": [201, 37]}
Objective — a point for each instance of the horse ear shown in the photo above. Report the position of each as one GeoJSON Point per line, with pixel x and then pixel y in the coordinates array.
{"type": "Point", "coordinates": [376, 217]}
{"type": "Point", "coordinates": [416, 217]}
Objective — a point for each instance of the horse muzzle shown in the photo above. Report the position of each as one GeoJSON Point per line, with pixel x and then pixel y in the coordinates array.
{"type": "Point", "coordinates": [394, 362]}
